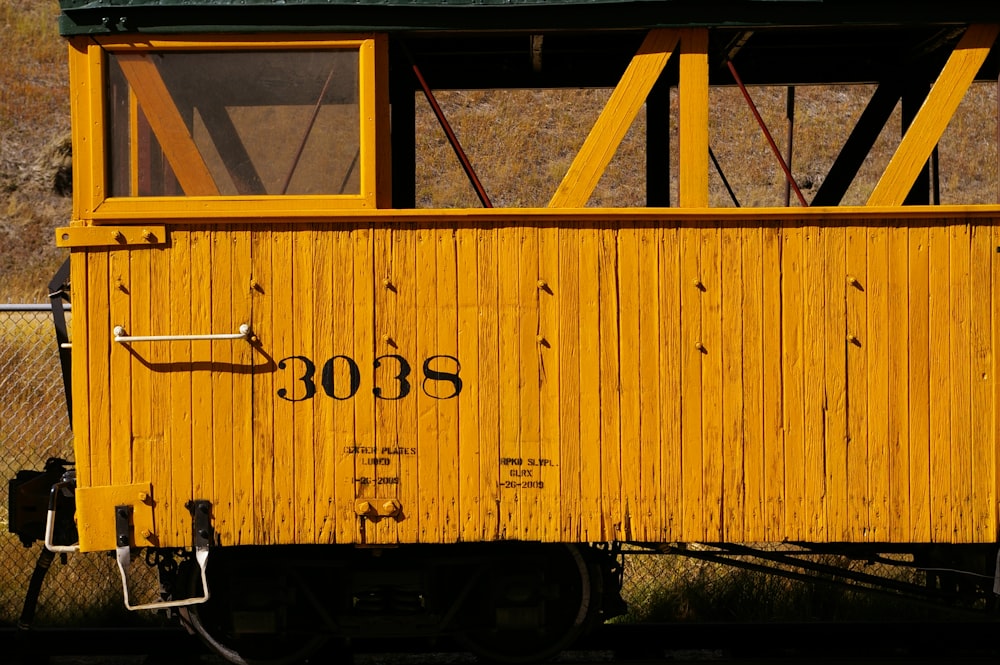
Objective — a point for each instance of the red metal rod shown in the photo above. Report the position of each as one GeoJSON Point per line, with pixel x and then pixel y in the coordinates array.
{"type": "Point", "coordinates": [452, 139]}
{"type": "Point", "coordinates": [767, 134]}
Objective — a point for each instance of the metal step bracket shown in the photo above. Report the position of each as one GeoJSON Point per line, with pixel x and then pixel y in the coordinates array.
{"type": "Point", "coordinates": [201, 515]}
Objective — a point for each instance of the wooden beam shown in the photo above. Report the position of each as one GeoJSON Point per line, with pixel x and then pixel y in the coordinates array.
{"type": "Point", "coordinates": [693, 131]}
{"type": "Point", "coordinates": [933, 117]}
{"type": "Point", "coordinates": [615, 120]}
{"type": "Point", "coordinates": [168, 125]}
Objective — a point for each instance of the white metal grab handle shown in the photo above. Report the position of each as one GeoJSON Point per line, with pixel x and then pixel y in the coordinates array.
{"type": "Point", "coordinates": [122, 338]}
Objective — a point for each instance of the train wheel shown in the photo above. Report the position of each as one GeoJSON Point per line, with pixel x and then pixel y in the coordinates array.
{"type": "Point", "coordinates": [532, 603]}
{"type": "Point", "coordinates": [256, 614]}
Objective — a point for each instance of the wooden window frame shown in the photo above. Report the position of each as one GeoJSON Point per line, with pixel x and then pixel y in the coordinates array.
{"type": "Point", "coordinates": [88, 66]}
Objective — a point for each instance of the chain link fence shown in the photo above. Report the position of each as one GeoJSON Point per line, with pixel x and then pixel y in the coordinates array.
{"type": "Point", "coordinates": [80, 590]}
{"type": "Point", "coordinates": [694, 583]}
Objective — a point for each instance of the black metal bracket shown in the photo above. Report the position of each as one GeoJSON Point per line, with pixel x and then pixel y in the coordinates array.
{"type": "Point", "coordinates": [123, 520]}
{"type": "Point", "coordinates": [201, 522]}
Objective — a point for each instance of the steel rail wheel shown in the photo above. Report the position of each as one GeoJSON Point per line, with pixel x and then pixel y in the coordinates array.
{"type": "Point", "coordinates": [534, 601]}
{"type": "Point", "coordinates": [259, 612]}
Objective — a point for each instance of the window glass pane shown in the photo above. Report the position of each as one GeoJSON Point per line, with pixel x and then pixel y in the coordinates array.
{"type": "Point", "coordinates": [234, 123]}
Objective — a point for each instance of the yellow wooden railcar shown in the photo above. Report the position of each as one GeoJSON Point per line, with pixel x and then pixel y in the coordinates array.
{"type": "Point", "coordinates": [273, 346]}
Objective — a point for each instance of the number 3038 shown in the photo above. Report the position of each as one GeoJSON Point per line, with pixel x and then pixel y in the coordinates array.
{"type": "Point", "coordinates": [340, 377]}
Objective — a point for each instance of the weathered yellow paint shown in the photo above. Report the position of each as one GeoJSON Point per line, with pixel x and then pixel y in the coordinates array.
{"type": "Point", "coordinates": [615, 119]}
{"type": "Point", "coordinates": [693, 132]}
{"type": "Point", "coordinates": [834, 317]}
{"type": "Point", "coordinates": [114, 236]}
{"type": "Point", "coordinates": [918, 281]}
{"type": "Point", "coordinates": [843, 388]}
{"type": "Point", "coordinates": [95, 514]}
{"type": "Point", "coordinates": [933, 117]}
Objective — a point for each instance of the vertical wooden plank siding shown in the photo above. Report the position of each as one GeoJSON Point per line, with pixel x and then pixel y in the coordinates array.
{"type": "Point", "coordinates": [651, 395]}
{"type": "Point", "coordinates": [918, 433]}
{"type": "Point", "coordinates": [983, 453]}
{"type": "Point", "coordinates": [662, 382]}
{"type": "Point", "coordinates": [303, 342]}
{"type": "Point", "coordinates": [120, 392]}
{"type": "Point", "coordinates": [898, 334]}
{"type": "Point", "coordinates": [836, 349]}
{"type": "Point", "coordinates": [265, 387]}
{"type": "Point", "coordinates": [939, 400]}
{"type": "Point", "coordinates": [671, 284]}
{"type": "Point", "coordinates": [203, 467]}
{"type": "Point", "coordinates": [246, 358]}
{"type": "Point", "coordinates": [544, 469]}
{"type": "Point", "coordinates": [224, 370]}
{"type": "Point", "coordinates": [471, 488]}
{"type": "Point", "coordinates": [571, 463]}
{"type": "Point", "coordinates": [629, 362]}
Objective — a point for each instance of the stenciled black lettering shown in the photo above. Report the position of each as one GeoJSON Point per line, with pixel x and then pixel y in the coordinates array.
{"type": "Point", "coordinates": [353, 377]}
{"type": "Point", "coordinates": [401, 377]}
{"type": "Point", "coordinates": [436, 375]}
{"type": "Point", "coordinates": [306, 378]}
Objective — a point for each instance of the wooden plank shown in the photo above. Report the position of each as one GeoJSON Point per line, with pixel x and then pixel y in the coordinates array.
{"type": "Point", "coordinates": [143, 402]}
{"type": "Point", "coordinates": [120, 390]}
{"type": "Point", "coordinates": [265, 385]}
{"type": "Point", "coordinates": [918, 375]}
{"type": "Point", "coordinates": [712, 444]}
{"type": "Point", "coordinates": [295, 377]}
{"type": "Point", "coordinates": [733, 391]}
{"type": "Point", "coordinates": [793, 378]}
{"type": "Point", "coordinates": [814, 373]}
{"type": "Point", "coordinates": [247, 358]}
{"type": "Point", "coordinates": [615, 119]}
{"type": "Point", "coordinates": [939, 312]}
{"type": "Point", "coordinates": [961, 398]}
{"type": "Point", "coordinates": [529, 424]}
{"type": "Point", "coordinates": [634, 512]}
{"type": "Point", "coordinates": [693, 128]}
{"type": "Point", "coordinates": [224, 279]}
{"type": "Point", "coordinates": [447, 345]}
{"type": "Point", "coordinates": [898, 386]}
{"type": "Point", "coordinates": [489, 373]}
{"type": "Point", "coordinates": [363, 353]}
{"type": "Point", "coordinates": [389, 450]}
{"type": "Point", "coordinates": [752, 345]}
{"type": "Point", "coordinates": [857, 386]}
{"type": "Point", "coordinates": [692, 498]}
{"type": "Point", "coordinates": [671, 354]}
{"type": "Point", "coordinates": [593, 526]}
{"type": "Point", "coordinates": [202, 458]}
{"type": "Point", "coordinates": [347, 471]}
{"type": "Point", "coordinates": [571, 461]}
{"type": "Point", "coordinates": [983, 449]}
{"type": "Point", "coordinates": [774, 457]}
{"type": "Point", "coordinates": [171, 131]}
{"type": "Point", "coordinates": [328, 444]}
{"type": "Point", "coordinates": [836, 350]}
{"type": "Point", "coordinates": [550, 349]}
{"type": "Point", "coordinates": [878, 383]}
{"type": "Point", "coordinates": [931, 120]}
{"type": "Point", "coordinates": [81, 367]}
{"type": "Point", "coordinates": [428, 462]}
{"type": "Point", "coordinates": [404, 279]}
{"type": "Point", "coordinates": [99, 360]}
{"type": "Point", "coordinates": [181, 480]}
{"type": "Point", "coordinates": [471, 490]}
{"type": "Point", "coordinates": [610, 383]}
{"type": "Point", "coordinates": [158, 355]}
{"type": "Point", "coordinates": [651, 396]}
{"type": "Point", "coordinates": [304, 242]}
